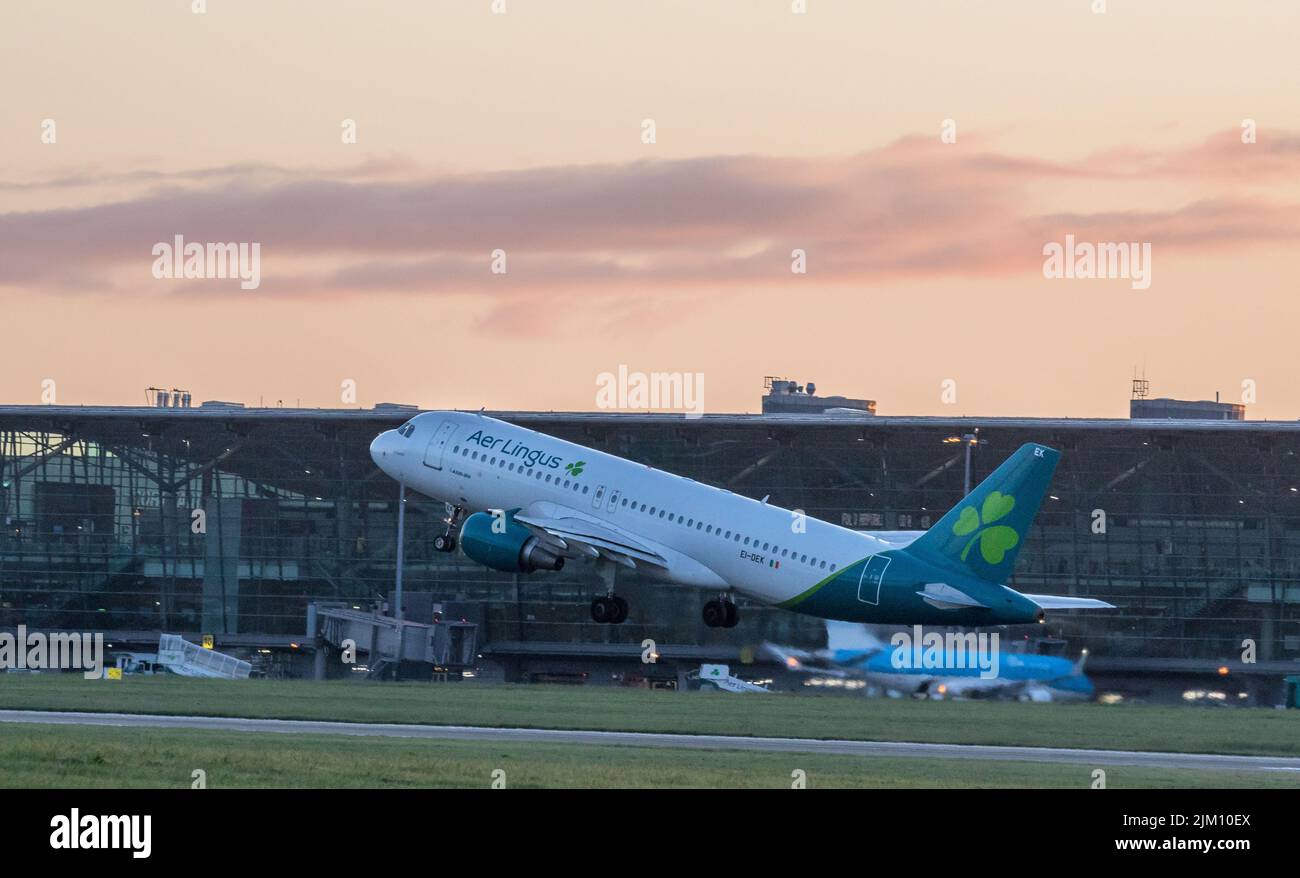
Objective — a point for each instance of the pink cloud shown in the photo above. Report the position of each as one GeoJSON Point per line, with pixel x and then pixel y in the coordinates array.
{"type": "Point", "coordinates": [914, 209]}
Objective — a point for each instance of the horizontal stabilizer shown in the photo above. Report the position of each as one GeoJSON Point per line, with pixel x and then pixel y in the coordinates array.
{"type": "Point", "coordinates": [945, 597]}
{"type": "Point", "coordinates": [1065, 602]}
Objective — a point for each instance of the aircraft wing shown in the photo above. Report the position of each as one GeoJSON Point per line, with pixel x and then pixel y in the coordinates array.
{"type": "Point", "coordinates": [801, 660]}
{"type": "Point", "coordinates": [956, 687]}
{"type": "Point", "coordinates": [896, 538]}
{"type": "Point", "coordinates": [579, 535]}
{"type": "Point", "coordinates": [1066, 602]}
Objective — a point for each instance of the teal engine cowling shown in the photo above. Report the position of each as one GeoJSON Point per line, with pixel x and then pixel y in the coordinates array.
{"type": "Point", "coordinates": [499, 542]}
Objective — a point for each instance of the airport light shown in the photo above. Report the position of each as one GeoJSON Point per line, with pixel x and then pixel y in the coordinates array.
{"type": "Point", "coordinates": [970, 440]}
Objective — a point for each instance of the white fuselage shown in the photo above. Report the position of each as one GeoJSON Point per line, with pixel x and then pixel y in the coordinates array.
{"type": "Point", "coordinates": [710, 536]}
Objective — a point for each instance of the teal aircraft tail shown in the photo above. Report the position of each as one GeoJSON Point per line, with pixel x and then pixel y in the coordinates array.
{"type": "Point", "coordinates": [982, 534]}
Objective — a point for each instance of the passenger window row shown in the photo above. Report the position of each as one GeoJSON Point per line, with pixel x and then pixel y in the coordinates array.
{"type": "Point", "coordinates": [527, 472]}
{"type": "Point", "coordinates": [510, 466]}
{"type": "Point", "coordinates": [728, 535]}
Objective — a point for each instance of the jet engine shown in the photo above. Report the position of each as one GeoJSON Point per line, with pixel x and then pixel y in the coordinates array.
{"type": "Point", "coordinates": [499, 542]}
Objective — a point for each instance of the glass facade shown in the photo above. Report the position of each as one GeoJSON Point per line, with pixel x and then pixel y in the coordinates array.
{"type": "Point", "coordinates": [203, 521]}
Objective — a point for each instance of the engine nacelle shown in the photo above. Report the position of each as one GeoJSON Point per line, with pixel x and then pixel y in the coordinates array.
{"type": "Point", "coordinates": [497, 541]}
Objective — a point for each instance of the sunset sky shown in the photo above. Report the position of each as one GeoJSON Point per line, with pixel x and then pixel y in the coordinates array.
{"type": "Point", "coordinates": [523, 132]}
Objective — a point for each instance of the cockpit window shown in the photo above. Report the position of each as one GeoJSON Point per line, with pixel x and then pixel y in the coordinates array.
{"type": "Point", "coordinates": [406, 429]}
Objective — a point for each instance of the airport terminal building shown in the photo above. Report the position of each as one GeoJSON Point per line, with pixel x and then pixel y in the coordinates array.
{"type": "Point", "coordinates": [229, 520]}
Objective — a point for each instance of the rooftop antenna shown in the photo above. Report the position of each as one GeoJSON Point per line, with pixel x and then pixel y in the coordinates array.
{"type": "Point", "coordinates": [1141, 386]}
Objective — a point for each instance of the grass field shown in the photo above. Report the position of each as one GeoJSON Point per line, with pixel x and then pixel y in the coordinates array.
{"type": "Point", "coordinates": [1129, 727]}
{"type": "Point", "coordinates": [34, 756]}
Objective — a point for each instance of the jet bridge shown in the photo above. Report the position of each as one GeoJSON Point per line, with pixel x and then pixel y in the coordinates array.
{"type": "Point", "coordinates": [386, 640]}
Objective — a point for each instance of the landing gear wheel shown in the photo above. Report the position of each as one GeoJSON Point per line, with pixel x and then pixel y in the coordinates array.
{"type": "Point", "coordinates": [714, 613]}
{"type": "Point", "coordinates": [720, 613]}
{"type": "Point", "coordinates": [609, 610]}
{"type": "Point", "coordinates": [446, 542]}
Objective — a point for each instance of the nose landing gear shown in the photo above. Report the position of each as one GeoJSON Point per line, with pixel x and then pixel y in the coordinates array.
{"type": "Point", "coordinates": [446, 541]}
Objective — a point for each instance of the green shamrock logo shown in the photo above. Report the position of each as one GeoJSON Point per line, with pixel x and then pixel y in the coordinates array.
{"type": "Point", "coordinates": [575, 468]}
{"type": "Point", "coordinates": [994, 540]}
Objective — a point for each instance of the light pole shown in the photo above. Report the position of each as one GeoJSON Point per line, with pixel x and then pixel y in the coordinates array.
{"type": "Point", "coordinates": [970, 440]}
{"type": "Point", "coordinates": [401, 557]}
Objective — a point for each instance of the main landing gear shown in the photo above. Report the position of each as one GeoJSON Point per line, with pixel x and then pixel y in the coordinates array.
{"type": "Point", "coordinates": [721, 612]}
{"type": "Point", "coordinates": [609, 610]}
{"type": "Point", "coordinates": [446, 542]}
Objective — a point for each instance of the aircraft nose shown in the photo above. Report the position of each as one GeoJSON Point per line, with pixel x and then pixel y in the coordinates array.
{"type": "Point", "coordinates": [378, 448]}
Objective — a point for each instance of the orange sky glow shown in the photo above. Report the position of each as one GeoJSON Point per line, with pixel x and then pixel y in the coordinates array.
{"type": "Point", "coordinates": [1175, 124]}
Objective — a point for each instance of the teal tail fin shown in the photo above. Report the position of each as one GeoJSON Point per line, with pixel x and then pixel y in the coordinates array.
{"type": "Point", "coordinates": [982, 534]}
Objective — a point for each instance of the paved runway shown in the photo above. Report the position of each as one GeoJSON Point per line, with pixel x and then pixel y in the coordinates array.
{"type": "Point", "coordinates": [896, 749]}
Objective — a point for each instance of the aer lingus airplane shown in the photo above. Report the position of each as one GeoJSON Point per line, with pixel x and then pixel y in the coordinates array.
{"type": "Point", "coordinates": [525, 501]}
